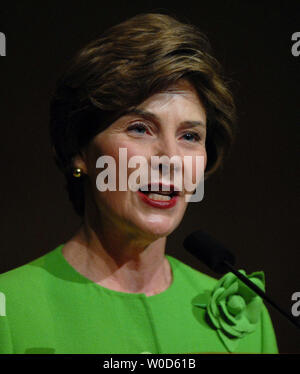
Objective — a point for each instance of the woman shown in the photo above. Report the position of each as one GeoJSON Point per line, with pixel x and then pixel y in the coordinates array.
{"type": "Point", "coordinates": [150, 86]}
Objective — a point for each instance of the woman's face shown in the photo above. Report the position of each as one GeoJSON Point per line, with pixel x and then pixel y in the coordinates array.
{"type": "Point", "coordinates": [165, 131]}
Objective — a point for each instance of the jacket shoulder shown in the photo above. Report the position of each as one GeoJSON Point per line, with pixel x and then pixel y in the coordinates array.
{"type": "Point", "coordinates": [29, 273]}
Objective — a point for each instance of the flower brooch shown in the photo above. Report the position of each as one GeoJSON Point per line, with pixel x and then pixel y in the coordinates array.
{"type": "Point", "coordinates": [232, 307]}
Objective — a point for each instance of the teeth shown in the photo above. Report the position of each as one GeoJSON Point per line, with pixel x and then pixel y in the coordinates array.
{"type": "Point", "coordinates": [155, 196]}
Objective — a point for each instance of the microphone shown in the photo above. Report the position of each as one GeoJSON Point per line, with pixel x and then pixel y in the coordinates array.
{"type": "Point", "coordinates": [219, 259]}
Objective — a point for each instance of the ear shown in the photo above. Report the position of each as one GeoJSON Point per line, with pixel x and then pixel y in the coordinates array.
{"type": "Point", "coordinates": [79, 161]}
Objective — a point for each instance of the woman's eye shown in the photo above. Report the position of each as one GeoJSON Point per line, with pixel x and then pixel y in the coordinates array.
{"type": "Point", "coordinates": [192, 136]}
{"type": "Point", "coordinates": [139, 128]}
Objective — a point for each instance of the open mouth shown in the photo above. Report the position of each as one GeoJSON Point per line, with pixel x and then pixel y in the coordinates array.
{"type": "Point", "coordinates": [159, 194]}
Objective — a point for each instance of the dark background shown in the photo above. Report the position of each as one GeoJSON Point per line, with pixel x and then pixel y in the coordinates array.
{"type": "Point", "coordinates": [250, 206]}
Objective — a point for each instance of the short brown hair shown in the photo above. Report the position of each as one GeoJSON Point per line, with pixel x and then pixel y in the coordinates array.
{"type": "Point", "coordinates": [127, 64]}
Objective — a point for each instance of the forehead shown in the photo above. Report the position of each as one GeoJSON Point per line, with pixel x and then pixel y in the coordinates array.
{"type": "Point", "coordinates": [182, 97]}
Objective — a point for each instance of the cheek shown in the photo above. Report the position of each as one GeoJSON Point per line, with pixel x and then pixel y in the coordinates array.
{"type": "Point", "coordinates": [122, 151]}
{"type": "Point", "coordinates": [108, 148]}
{"type": "Point", "coordinates": [194, 170]}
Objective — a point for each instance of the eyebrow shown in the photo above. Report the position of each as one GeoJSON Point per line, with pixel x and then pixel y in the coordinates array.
{"type": "Point", "coordinates": [153, 117]}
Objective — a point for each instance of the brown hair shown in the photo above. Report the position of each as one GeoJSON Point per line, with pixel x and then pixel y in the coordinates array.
{"type": "Point", "coordinates": [127, 64]}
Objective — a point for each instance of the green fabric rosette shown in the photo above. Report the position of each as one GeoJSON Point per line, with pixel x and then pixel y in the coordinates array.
{"type": "Point", "coordinates": [232, 307]}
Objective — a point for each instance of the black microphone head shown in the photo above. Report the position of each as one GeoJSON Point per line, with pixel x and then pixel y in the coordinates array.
{"type": "Point", "coordinates": [209, 251]}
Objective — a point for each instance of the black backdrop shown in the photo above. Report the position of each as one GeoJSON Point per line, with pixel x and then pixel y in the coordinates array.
{"type": "Point", "coordinates": [250, 206]}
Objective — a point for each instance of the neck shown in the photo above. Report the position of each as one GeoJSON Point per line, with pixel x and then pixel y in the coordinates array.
{"type": "Point", "coordinates": [119, 260]}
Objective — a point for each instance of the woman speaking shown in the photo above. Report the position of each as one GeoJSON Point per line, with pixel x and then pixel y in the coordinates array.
{"type": "Point", "coordinates": [148, 86]}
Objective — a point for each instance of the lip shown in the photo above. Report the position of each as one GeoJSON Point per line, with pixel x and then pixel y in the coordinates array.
{"type": "Point", "coordinates": [158, 204]}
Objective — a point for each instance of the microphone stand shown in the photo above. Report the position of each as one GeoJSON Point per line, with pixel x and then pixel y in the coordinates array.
{"type": "Point", "coordinates": [260, 292]}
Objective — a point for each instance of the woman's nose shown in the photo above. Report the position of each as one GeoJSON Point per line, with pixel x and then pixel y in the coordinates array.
{"type": "Point", "coordinates": [167, 156]}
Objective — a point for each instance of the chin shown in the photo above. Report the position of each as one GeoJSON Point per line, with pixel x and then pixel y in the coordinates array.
{"type": "Point", "coordinates": [158, 226]}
